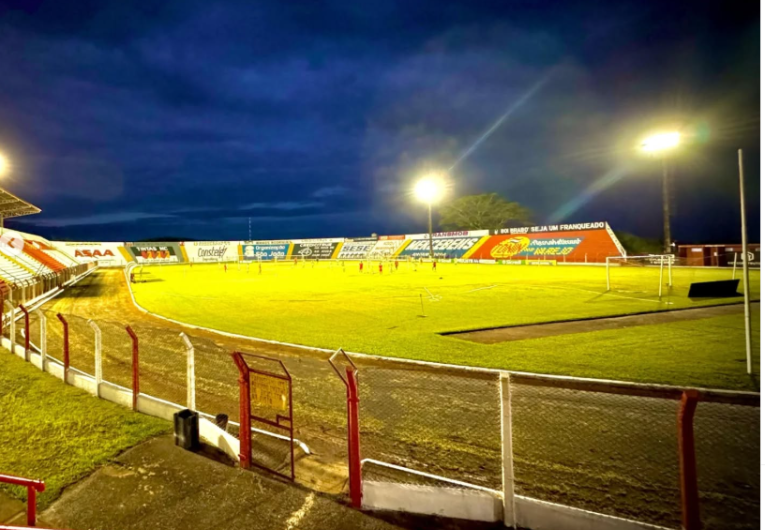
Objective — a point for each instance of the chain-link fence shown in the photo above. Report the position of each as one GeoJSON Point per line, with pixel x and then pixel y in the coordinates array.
{"type": "Point", "coordinates": [581, 446]}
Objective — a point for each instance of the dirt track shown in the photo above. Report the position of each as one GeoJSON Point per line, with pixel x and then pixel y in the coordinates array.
{"type": "Point", "coordinates": [611, 454]}
{"type": "Point", "coordinates": [549, 329]}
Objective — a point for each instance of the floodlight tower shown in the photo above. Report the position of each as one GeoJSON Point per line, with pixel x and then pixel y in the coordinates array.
{"type": "Point", "coordinates": [429, 189]}
{"type": "Point", "coordinates": [661, 144]}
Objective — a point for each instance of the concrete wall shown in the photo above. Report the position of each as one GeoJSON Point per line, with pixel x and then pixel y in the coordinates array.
{"type": "Point", "coordinates": [477, 505]}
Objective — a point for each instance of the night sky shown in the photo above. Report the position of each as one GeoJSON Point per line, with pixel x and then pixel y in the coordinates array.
{"type": "Point", "coordinates": [129, 120]}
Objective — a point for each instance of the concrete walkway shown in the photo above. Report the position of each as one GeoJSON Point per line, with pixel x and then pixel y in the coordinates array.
{"type": "Point", "coordinates": [549, 329]}
{"type": "Point", "coordinates": [157, 485]}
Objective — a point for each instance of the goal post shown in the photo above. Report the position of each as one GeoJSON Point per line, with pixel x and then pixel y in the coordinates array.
{"type": "Point", "coordinates": [661, 261]}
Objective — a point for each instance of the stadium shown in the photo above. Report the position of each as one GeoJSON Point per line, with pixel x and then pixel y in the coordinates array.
{"type": "Point", "coordinates": [528, 376]}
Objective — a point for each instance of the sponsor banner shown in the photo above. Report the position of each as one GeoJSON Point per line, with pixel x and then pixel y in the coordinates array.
{"type": "Point", "coordinates": [313, 250]}
{"type": "Point", "coordinates": [265, 250]}
{"type": "Point", "coordinates": [202, 251]}
{"type": "Point", "coordinates": [600, 225]}
{"type": "Point", "coordinates": [442, 235]}
{"type": "Point", "coordinates": [356, 249]}
{"type": "Point", "coordinates": [385, 238]}
{"type": "Point", "coordinates": [386, 248]}
{"type": "Point", "coordinates": [361, 239]}
{"type": "Point", "coordinates": [444, 247]}
{"type": "Point", "coordinates": [592, 245]}
{"type": "Point", "coordinates": [155, 252]}
{"type": "Point", "coordinates": [318, 240]}
{"type": "Point", "coordinates": [753, 255]}
{"type": "Point", "coordinates": [105, 254]}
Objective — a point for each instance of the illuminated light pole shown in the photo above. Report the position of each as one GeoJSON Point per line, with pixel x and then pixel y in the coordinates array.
{"type": "Point", "coordinates": [429, 190]}
{"type": "Point", "coordinates": [5, 168]}
{"type": "Point", "coordinates": [661, 144]}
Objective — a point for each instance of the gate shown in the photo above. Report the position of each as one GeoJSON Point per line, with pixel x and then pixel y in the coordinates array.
{"type": "Point", "coordinates": [270, 394]}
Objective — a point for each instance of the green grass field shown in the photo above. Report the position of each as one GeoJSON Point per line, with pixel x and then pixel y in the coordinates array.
{"type": "Point", "coordinates": [58, 433]}
{"type": "Point", "coordinates": [402, 313]}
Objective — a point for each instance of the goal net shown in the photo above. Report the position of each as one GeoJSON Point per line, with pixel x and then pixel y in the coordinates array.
{"type": "Point", "coordinates": [650, 274]}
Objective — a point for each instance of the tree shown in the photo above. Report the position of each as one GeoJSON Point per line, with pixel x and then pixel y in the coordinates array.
{"type": "Point", "coordinates": [636, 245]}
{"type": "Point", "coordinates": [485, 211]}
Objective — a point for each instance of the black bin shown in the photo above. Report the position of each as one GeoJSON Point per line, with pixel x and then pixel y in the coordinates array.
{"type": "Point", "coordinates": [187, 429]}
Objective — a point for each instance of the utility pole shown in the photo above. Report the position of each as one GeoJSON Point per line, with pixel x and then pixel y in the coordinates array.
{"type": "Point", "coordinates": [745, 260]}
{"type": "Point", "coordinates": [666, 208]}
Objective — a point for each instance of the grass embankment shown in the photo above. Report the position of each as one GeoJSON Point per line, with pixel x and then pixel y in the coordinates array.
{"type": "Point", "coordinates": [58, 433]}
{"type": "Point", "coordinates": [401, 313]}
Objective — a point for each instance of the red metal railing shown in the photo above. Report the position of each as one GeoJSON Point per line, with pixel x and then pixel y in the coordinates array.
{"type": "Point", "coordinates": [66, 345]}
{"type": "Point", "coordinates": [32, 486]}
{"type": "Point", "coordinates": [689, 488]}
{"type": "Point", "coordinates": [354, 436]}
{"type": "Point", "coordinates": [136, 385]}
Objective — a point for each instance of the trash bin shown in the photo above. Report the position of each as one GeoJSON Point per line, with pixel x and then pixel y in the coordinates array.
{"type": "Point", "coordinates": [187, 429]}
{"type": "Point", "coordinates": [221, 420]}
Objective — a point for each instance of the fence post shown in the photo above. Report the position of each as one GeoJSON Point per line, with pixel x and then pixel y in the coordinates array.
{"type": "Point", "coordinates": [66, 345]}
{"type": "Point", "coordinates": [508, 475]}
{"type": "Point", "coordinates": [43, 338]}
{"type": "Point", "coordinates": [354, 441]}
{"type": "Point", "coordinates": [98, 369]}
{"type": "Point", "coordinates": [245, 432]}
{"type": "Point", "coordinates": [136, 387]}
{"type": "Point", "coordinates": [689, 488]}
{"type": "Point", "coordinates": [11, 326]}
{"type": "Point", "coordinates": [191, 402]}
{"type": "Point", "coordinates": [26, 331]}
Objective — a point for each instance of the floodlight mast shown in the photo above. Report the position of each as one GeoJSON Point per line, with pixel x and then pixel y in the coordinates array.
{"type": "Point", "coordinates": [661, 144]}
{"type": "Point", "coordinates": [428, 190]}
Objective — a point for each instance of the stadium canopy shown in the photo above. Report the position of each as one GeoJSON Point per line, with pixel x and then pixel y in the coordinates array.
{"type": "Point", "coordinates": [12, 206]}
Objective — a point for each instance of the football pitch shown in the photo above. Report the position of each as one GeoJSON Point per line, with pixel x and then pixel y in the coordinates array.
{"type": "Point", "coordinates": [404, 313]}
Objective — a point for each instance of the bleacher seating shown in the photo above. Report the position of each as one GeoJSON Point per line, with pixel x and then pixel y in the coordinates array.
{"type": "Point", "coordinates": [12, 272]}
{"type": "Point", "coordinates": [42, 258]}
{"type": "Point", "coordinates": [55, 254]}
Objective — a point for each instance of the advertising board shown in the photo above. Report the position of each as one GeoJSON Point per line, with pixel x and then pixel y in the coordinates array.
{"type": "Point", "coordinates": [106, 254]}
{"type": "Point", "coordinates": [265, 250]}
{"type": "Point", "coordinates": [211, 251]}
{"type": "Point", "coordinates": [169, 252]}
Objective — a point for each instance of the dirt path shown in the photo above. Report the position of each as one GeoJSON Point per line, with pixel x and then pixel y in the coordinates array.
{"type": "Point", "coordinates": [549, 329]}
{"type": "Point", "coordinates": [611, 454]}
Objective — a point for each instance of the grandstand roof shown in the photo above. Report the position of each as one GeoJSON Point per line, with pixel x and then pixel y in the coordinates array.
{"type": "Point", "coordinates": [12, 206]}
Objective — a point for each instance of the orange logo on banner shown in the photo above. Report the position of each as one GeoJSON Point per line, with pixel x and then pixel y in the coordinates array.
{"type": "Point", "coordinates": [510, 247]}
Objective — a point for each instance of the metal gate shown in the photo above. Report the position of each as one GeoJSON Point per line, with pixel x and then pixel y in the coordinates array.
{"type": "Point", "coordinates": [269, 393]}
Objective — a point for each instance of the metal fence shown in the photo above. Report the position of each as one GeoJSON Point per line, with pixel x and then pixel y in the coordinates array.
{"type": "Point", "coordinates": [611, 448]}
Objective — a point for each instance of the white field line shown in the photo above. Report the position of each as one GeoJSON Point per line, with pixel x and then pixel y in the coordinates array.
{"type": "Point", "coordinates": [482, 288]}
{"type": "Point", "coordinates": [440, 366]}
{"type": "Point", "coordinates": [606, 293]}
{"type": "Point", "coordinates": [296, 517]}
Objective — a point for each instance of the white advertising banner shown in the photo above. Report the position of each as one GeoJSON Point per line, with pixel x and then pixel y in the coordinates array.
{"type": "Point", "coordinates": [106, 254]}
{"type": "Point", "coordinates": [386, 248]}
{"type": "Point", "coordinates": [211, 251]}
{"type": "Point", "coordinates": [356, 249]}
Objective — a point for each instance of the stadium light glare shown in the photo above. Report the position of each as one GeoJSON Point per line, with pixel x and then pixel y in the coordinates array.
{"type": "Point", "coordinates": [429, 189]}
{"type": "Point", "coordinates": [661, 142]}
{"type": "Point", "coordinates": [5, 166]}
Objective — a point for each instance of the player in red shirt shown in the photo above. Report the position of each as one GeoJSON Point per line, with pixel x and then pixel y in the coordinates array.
{"type": "Point", "coordinates": [396, 264]}
{"type": "Point", "coordinates": [361, 266]}
{"type": "Point", "coordinates": [380, 267]}
{"type": "Point", "coordinates": [434, 265]}
{"type": "Point", "coordinates": [225, 268]}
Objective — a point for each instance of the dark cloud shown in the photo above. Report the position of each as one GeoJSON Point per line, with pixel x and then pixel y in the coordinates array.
{"type": "Point", "coordinates": [129, 120]}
